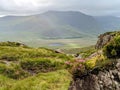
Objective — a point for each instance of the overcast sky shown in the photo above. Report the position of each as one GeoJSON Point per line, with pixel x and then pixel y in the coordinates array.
{"type": "Point", "coordinates": [91, 7]}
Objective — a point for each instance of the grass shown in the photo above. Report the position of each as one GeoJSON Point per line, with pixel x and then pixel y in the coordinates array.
{"type": "Point", "coordinates": [23, 60]}
{"type": "Point", "coordinates": [84, 52]}
{"type": "Point", "coordinates": [26, 68]}
{"type": "Point", "coordinates": [58, 80]}
{"type": "Point", "coordinates": [65, 43]}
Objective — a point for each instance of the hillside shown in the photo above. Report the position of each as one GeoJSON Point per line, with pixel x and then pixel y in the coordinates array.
{"type": "Point", "coordinates": [56, 29]}
{"type": "Point", "coordinates": [108, 23]}
{"type": "Point", "coordinates": [49, 25]}
{"type": "Point", "coordinates": [55, 25]}
{"type": "Point", "coordinates": [23, 67]}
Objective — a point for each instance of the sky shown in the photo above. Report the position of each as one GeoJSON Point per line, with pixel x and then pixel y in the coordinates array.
{"type": "Point", "coordinates": [90, 7]}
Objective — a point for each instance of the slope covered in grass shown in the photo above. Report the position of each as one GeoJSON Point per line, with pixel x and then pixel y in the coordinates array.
{"type": "Point", "coordinates": [26, 68]}
{"type": "Point", "coordinates": [58, 80]}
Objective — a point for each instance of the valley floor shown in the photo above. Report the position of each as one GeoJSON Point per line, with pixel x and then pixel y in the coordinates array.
{"type": "Point", "coordinates": [62, 43]}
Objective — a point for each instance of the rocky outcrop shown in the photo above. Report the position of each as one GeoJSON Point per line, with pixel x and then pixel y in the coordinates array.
{"type": "Point", "coordinates": [108, 79]}
{"type": "Point", "coordinates": [104, 39]}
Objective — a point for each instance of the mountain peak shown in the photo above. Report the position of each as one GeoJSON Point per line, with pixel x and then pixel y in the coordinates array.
{"type": "Point", "coordinates": [64, 12]}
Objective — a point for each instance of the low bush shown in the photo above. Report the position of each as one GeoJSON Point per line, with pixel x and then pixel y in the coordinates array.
{"type": "Point", "coordinates": [10, 57]}
{"type": "Point", "coordinates": [13, 44]}
{"type": "Point", "coordinates": [81, 67]}
{"type": "Point", "coordinates": [112, 49]}
{"type": "Point", "coordinates": [40, 65]}
{"type": "Point", "coordinates": [13, 71]}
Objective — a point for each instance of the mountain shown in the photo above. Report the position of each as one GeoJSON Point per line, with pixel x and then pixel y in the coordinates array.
{"type": "Point", "coordinates": [108, 23]}
{"type": "Point", "coordinates": [53, 25]}
{"type": "Point", "coordinates": [49, 25]}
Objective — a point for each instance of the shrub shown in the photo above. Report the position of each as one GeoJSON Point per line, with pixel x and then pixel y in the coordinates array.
{"type": "Point", "coordinates": [79, 68]}
{"type": "Point", "coordinates": [9, 57]}
{"type": "Point", "coordinates": [76, 67]}
{"type": "Point", "coordinates": [40, 65]}
{"type": "Point", "coordinates": [112, 49]}
{"type": "Point", "coordinates": [13, 44]}
{"type": "Point", "coordinates": [13, 71]}
{"type": "Point", "coordinates": [28, 61]}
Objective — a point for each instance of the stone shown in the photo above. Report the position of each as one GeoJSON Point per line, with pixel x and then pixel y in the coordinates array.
{"type": "Point", "coordinates": [104, 80]}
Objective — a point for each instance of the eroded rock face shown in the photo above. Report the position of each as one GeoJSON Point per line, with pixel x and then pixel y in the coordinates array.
{"type": "Point", "coordinates": [104, 39]}
{"type": "Point", "coordinates": [104, 80]}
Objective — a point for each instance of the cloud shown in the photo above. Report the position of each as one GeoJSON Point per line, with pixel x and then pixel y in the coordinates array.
{"type": "Point", "coordinates": [92, 7]}
{"type": "Point", "coordinates": [23, 4]}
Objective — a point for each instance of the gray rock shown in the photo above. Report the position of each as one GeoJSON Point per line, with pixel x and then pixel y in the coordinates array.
{"type": "Point", "coordinates": [104, 80]}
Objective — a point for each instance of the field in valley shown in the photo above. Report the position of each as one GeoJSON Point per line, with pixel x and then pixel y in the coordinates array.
{"type": "Point", "coordinates": [62, 43]}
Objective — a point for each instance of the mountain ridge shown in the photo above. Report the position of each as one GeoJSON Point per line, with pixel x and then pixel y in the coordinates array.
{"type": "Point", "coordinates": [49, 23]}
{"type": "Point", "coordinates": [54, 25]}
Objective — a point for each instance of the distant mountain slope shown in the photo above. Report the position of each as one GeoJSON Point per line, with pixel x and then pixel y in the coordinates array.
{"type": "Point", "coordinates": [82, 22]}
{"type": "Point", "coordinates": [52, 24]}
{"type": "Point", "coordinates": [108, 23]}
{"type": "Point", "coordinates": [55, 25]}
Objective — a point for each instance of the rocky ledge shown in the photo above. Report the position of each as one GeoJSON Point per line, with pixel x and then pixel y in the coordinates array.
{"type": "Point", "coordinates": [108, 79]}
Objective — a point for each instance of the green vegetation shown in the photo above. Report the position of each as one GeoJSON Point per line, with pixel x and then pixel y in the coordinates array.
{"type": "Point", "coordinates": [112, 49]}
{"type": "Point", "coordinates": [87, 51]}
{"type": "Point", "coordinates": [100, 59]}
{"type": "Point", "coordinates": [63, 43]}
{"type": "Point", "coordinates": [22, 60]}
{"type": "Point", "coordinates": [84, 52]}
{"type": "Point", "coordinates": [81, 67]}
{"type": "Point", "coordinates": [13, 71]}
{"type": "Point", "coordinates": [58, 80]}
{"type": "Point", "coordinates": [12, 44]}
{"type": "Point", "coordinates": [26, 68]}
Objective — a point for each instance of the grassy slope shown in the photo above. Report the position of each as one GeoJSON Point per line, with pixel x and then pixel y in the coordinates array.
{"type": "Point", "coordinates": [58, 80]}
{"type": "Point", "coordinates": [86, 51]}
{"type": "Point", "coordinates": [24, 68]}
